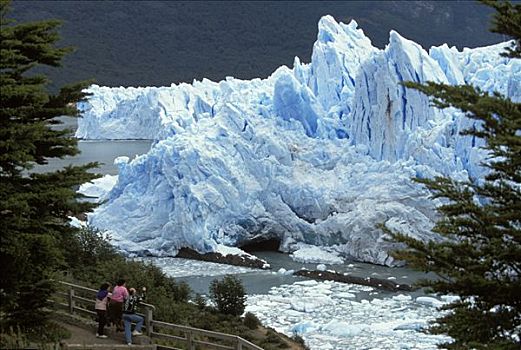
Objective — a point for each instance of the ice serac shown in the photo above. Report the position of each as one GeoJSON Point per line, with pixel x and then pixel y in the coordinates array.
{"type": "Point", "coordinates": [386, 114]}
{"type": "Point", "coordinates": [294, 101]}
{"type": "Point", "coordinates": [485, 69]}
{"type": "Point", "coordinates": [337, 55]}
{"type": "Point", "coordinates": [481, 67]}
{"type": "Point", "coordinates": [314, 155]}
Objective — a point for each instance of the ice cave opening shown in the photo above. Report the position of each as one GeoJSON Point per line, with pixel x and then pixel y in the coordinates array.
{"type": "Point", "coordinates": [261, 244]}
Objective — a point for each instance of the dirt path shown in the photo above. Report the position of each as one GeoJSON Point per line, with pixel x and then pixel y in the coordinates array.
{"type": "Point", "coordinates": [84, 336]}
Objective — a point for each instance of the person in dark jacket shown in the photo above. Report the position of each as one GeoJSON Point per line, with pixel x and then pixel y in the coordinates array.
{"type": "Point", "coordinates": [129, 314]}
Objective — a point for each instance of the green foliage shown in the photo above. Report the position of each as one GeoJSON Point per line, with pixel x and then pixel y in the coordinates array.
{"type": "Point", "coordinates": [251, 321]}
{"type": "Point", "coordinates": [91, 260]}
{"type": "Point", "coordinates": [111, 266]}
{"type": "Point", "coordinates": [169, 296]}
{"type": "Point", "coordinates": [13, 339]}
{"type": "Point", "coordinates": [480, 326]}
{"type": "Point", "coordinates": [200, 301]}
{"type": "Point", "coordinates": [34, 208]}
{"type": "Point", "coordinates": [84, 250]}
{"type": "Point", "coordinates": [228, 295]}
{"type": "Point", "coordinates": [479, 258]}
{"type": "Point", "coordinates": [507, 20]}
{"type": "Point", "coordinates": [45, 336]}
{"type": "Point", "coordinates": [299, 340]}
{"type": "Point", "coordinates": [273, 341]}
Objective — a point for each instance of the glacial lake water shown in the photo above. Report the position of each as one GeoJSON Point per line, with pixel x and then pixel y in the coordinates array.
{"type": "Point", "coordinates": [102, 151]}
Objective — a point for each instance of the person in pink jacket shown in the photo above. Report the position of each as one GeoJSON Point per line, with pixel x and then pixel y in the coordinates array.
{"type": "Point", "coordinates": [102, 299]}
{"type": "Point", "coordinates": [119, 294]}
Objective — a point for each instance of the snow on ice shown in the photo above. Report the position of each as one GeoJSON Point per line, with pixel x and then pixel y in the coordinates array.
{"type": "Point", "coordinates": [317, 154]}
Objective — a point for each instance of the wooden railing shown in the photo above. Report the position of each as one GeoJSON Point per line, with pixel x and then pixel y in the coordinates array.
{"type": "Point", "coordinates": [80, 300]}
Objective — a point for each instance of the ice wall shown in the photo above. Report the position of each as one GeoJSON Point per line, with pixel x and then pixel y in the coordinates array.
{"type": "Point", "coordinates": [320, 153]}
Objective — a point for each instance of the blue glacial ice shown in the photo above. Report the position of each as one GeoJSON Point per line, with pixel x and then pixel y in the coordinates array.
{"type": "Point", "coordinates": [315, 154]}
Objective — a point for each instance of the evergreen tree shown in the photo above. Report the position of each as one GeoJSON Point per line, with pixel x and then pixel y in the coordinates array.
{"type": "Point", "coordinates": [480, 258]}
{"type": "Point", "coordinates": [34, 208]}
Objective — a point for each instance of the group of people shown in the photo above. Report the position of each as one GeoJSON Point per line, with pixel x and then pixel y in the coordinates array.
{"type": "Point", "coordinates": [119, 308]}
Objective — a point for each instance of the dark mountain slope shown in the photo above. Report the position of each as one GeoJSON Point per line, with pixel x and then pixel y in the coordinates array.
{"type": "Point", "coordinates": [159, 42]}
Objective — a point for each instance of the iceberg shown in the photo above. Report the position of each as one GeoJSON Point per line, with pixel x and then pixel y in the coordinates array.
{"type": "Point", "coordinates": [317, 154]}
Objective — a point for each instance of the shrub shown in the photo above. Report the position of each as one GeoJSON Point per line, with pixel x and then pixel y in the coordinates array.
{"type": "Point", "coordinates": [273, 341]}
{"type": "Point", "coordinates": [12, 339]}
{"type": "Point", "coordinates": [228, 295]}
{"type": "Point", "coordinates": [84, 250]}
{"type": "Point", "coordinates": [298, 339]}
{"type": "Point", "coordinates": [181, 291]}
{"type": "Point", "coordinates": [251, 321]}
{"type": "Point", "coordinates": [200, 301]}
{"type": "Point", "coordinates": [44, 336]}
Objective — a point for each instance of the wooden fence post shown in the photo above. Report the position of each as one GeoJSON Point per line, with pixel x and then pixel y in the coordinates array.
{"type": "Point", "coordinates": [71, 301]}
{"type": "Point", "coordinates": [148, 321]}
{"type": "Point", "coordinates": [238, 346]}
{"type": "Point", "coordinates": [189, 338]}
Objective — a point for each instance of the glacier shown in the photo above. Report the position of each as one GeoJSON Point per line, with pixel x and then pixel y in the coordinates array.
{"type": "Point", "coordinates": [317, 154]}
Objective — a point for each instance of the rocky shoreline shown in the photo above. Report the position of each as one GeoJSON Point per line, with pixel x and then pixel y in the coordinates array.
{"type": "Point", "coordinates": [236, 260]}
{"type": "Point", "coordinates": [367, 281]}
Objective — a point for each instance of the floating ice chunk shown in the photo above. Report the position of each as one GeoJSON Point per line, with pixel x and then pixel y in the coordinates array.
{"type": "Point", "coordinates": [302, 327]}
{"type": "Point", "coordinates": [345, 295]}
{"type": "Point", "coordinates": [283, 271]}
{"type": "Point", "coordinates": [309, 304]}
{"type": "Point", "coordinates": [307, 283]}
{"type": "Point", "coordinates": [314, 254]}
{"type": "Point", "coordinates": [402, 297]}
{"type": "Point", "coordinates": [321, 267]}
{"type": "Point", "coordinates": [429, 301]}
{"type": "Point", "coordinates": [342, 329]}
{"type": "Point", "coordinates": [415, 326]}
